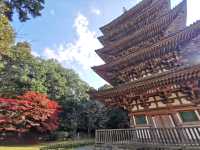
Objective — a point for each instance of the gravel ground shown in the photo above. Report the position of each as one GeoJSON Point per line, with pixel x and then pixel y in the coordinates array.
{"type": "Point", "coordinates": [85, 148]}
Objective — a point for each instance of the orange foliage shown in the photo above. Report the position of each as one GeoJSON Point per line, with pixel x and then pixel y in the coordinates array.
{"type": "Point", "coordinates": [30, 111]}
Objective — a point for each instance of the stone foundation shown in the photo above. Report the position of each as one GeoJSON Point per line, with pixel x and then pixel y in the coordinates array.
{"type": "Point", "coordinates": [137, 147]}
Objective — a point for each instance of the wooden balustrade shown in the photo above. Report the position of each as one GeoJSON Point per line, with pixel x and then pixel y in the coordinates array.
{"type": "Point", "coordinates": [179, 136]}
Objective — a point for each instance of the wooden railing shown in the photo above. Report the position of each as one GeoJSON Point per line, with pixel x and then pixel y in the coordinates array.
{"type": "Point", "coordinates": [184, 136]}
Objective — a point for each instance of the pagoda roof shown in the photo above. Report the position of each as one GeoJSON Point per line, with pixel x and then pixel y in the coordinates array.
{"type": "Point", "coordinates": [104, 56]}
{"type": "Point", "coordinates": [139, 35]}
{"type": "Point", "coordinates": [137, 21]}
{"type": "Point", "coordinates": [155, 50]}
{"type": "Point", "coordinates": [101, 39]}
{"type": "Point", "coordinates": [155, 81]}
{"type": "Point", "coordinates": [119, 20]}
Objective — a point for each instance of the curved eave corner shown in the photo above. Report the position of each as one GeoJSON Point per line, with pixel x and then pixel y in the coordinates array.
{"type": "Point", "coordinates": [101, 73]}
{"type": "Point", "coordinates": [104, 57]}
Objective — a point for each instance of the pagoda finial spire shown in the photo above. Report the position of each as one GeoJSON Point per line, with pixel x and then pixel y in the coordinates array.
{"type": "Point", "coordinates": [124, 9]}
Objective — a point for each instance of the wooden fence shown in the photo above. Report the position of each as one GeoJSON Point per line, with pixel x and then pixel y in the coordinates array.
{"type": "Point", "coordinates": [184, 136]}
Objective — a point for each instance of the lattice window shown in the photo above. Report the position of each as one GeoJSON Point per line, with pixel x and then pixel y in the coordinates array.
{"type": "Point", "coordinates": [188, 116]}
{"type": "Point", "coordinates": [140, 119]}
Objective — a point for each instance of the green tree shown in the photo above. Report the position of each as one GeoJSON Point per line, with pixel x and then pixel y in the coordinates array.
{"type": "Point", "coordinates": [117, 118]}
{"type": "Point", "coordinates": [24, 8]}
{"type": "Point", "coordinates": [63, 83]}
{"type": "Point", "coordinates": [6, 35]}
{"type": "Point", "coordinates": [70, 115]}
{"type": "Point", "coordinates": [104, 87]}
{"type": "Point", "coordinates": [21, 72]}
{"type": "Point", "coordinates": [82, 116]}
{"type": "Point", "coordinates": [93, 117]}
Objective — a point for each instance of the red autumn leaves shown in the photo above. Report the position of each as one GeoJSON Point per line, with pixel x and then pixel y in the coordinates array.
{"type": "Point", "coordinates": [30, 112]}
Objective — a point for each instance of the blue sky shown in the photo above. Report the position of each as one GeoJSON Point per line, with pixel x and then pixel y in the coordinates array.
{"type": "Point", "coordinates": [68, 31]}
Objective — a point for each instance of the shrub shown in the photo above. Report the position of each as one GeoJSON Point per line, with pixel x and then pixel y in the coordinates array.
{"type": "Point", "coordinates": [29, 112]}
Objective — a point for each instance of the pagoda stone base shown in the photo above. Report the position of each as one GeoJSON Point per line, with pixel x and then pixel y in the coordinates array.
{"type": "Point", "coordinates": [114, 147]}
{"type": "Point", "coordinates": [138, 147]}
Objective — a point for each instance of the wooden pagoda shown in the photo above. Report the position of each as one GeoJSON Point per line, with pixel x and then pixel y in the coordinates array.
{"type": "Point", "coordinates": [152, 60]}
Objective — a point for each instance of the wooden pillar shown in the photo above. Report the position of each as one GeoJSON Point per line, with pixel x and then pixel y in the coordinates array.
{"type": "Point", "coordinates": [131, 120]}
{"type": "Point", "coordinates": [150, 120]}
{"type": "Point", "coordinates": [176, 119]}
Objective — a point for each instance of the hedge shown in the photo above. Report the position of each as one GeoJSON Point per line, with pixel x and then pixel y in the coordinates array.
{"type": "Point", "coordinates": [68, 144]}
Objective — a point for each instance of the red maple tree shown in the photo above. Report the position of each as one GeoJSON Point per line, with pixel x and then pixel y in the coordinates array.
{"type": "Point", "coordinates": [31, 111]}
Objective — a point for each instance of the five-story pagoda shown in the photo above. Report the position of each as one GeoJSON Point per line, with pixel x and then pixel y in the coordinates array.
{"type": "Point", "coordinates": [152, 60]}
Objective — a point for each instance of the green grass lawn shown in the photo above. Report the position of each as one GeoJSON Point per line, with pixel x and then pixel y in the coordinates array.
{"type": "Point", "coordinates": [19, 148]}
{"type": "Point", "coordinates": [36, 147]}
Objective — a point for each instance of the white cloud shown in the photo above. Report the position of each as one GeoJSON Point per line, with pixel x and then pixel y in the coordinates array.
{"type": "Point", "coordinates": [133, 3]}
{"type": "Point", "coordinates": [34, 53]}
{"type": "Point", "coordinates": [96, 11]}
{"type": "Point", "coordinates": [137, 1]}
{"type": "Point", "coordinates": [79, 55]}
{"type": "Point", "coordinates": [193, 11]}
{"type": "Point", "coordinates": [81, 51]}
